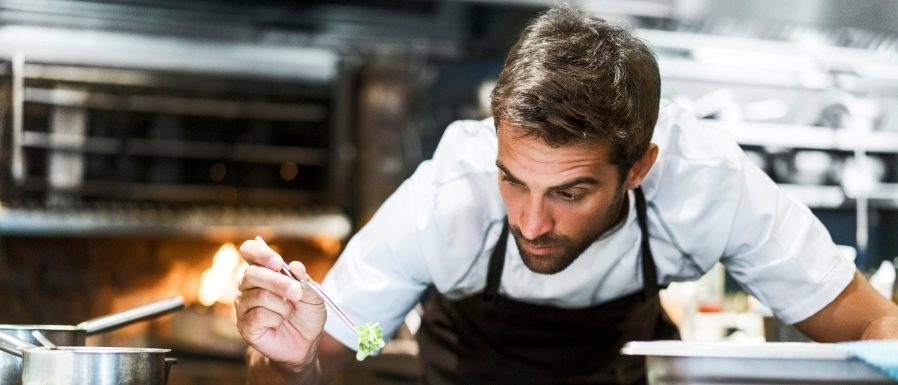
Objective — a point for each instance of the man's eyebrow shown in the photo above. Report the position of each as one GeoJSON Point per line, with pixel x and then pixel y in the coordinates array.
{"type": "Point", "coordinates": [508, 174]}
{"type": "Point", "coordinates": [580, 180]}
{"type": "Point", "coordinates": [563, 186]}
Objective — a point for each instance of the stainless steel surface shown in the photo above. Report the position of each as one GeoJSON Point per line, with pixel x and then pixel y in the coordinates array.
{"type": "Point", "coordinates": [83, 365]}
{"type": "Point", "coordinates": [11, 350]}
{"type": "Point", "coordinates": [11, 364]}
{"type": "Point", "coordinates": [169, 362]}
{"type": "Point", "coordinates": [805, 136]}
{"type": "Point", "coordinates": [92, 366]}
{"type": "Point", "coordinates": [11, 368]}
{"type": "Point", "coordinates": [13, 345]}
{"type": "Point", "coordinates": [45, 342]}
{"type": "Point", "coordinates": [173, 148]}
{"type": "Point", "coordinates": [862, 120]}
{"type": "Point", "coordinates": [677, 362]}
{"type": "Point", "coordinates": [170, 119]}
{"type": "Point", "coordinates": [857, 14]}
{"type": "Point", "coordinates": [90, 47]}
{"type": "Point", "coordinates": [802, 72]}
{"type": "Point", "coordinates": [127, 317]}
{"type": "Point", "coordinates": [177, 105]}
{"type": "Point", "coordinates": [64, 335]}
{"type": "Point", "coordinates": [225, 222]}
{"type": "Point", "coordinates": [772, 350]}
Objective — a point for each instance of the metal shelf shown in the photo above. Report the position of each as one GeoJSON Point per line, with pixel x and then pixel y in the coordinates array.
{"type": "Point", "coordinates": [161, 220]}
{"type": "Point", "coordinates": [816, 196]}
{"type": "Point", "coordinates": [228, 109]}
{"type": "Point", "coordinates": [757, 62]}
{"type": "Point", "coordinates": [175, 149]}
{"type": "Point", "coordinates": [179, 193]}
{"type": "Point", "coordinates": [688, 69]}
{"type": "Point", "coordinates": [167, 54]}
{"type": "Point", "coordinates": [882, 195]}
{"type": "Point", "coordinates": [811, 137]}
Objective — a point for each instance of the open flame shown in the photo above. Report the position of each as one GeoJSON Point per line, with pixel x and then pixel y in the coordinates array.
{"type": "Point", "coordinates": [219, 282]}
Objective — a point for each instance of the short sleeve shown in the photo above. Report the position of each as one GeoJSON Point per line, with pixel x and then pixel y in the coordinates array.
{"type": "Point", "coordinates": [709, 203]}
{"type": "Point", "coordinates": [780, 252]}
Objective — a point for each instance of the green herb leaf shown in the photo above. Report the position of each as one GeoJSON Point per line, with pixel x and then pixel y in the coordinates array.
{"type": "Point", "coordinates": [371, 338]}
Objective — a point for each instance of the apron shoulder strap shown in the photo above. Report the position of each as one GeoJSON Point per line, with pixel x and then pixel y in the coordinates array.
{"type": "Point", "coordinates": [497, 263]}
{"type": "Point", "coordinates": [649, 272]}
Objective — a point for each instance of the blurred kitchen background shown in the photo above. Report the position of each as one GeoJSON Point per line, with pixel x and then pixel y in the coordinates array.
{"type": "Point", "coordinates": [142, 140]}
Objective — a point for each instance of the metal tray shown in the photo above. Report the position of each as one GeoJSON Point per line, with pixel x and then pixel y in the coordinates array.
{"type": "Point", "coordinates": [678, 362]}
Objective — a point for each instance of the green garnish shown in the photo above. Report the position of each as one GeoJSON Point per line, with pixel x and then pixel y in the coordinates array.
{"type": "Point", "coordinates": [371, 338]}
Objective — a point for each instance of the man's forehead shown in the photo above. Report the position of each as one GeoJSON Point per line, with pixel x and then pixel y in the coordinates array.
{"type": "Point", "coordinates": [515, 138]}
{"type": "Point", "coordinates": [542, 133]}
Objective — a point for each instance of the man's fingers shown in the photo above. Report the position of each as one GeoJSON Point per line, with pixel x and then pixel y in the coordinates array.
{"type": "Point", "coordinates": [258, 253]}
{"type": "Point", "coordinates": [253, 298]}
{"type": "Point", "coordinates": [277, 283]}
{"type": "Point", "coordinates": [256, 322]}
{"type": "Point", "coordinates": [298, 270]}
{"type": "Point", "coordinates": [308, 295]}
{"type": "Point", "coordinates": [264, 271]}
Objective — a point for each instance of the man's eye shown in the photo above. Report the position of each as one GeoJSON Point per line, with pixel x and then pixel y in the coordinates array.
{"type": "Point", "coordinates": [567, 195]}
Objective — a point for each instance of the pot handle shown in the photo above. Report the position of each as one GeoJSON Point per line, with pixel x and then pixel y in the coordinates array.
{"type": "Point", "coordinates": [127, 317]}
{"type": "Point", "coordinates": [169, 362]}
{"type": "Point", "coordinates": [13, 345]}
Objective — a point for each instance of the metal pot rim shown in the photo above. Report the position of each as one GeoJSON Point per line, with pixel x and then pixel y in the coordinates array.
{"type": "Point", "coordinates": [39, 327]}
{"type": "Point", "coordinates": [96, 349]}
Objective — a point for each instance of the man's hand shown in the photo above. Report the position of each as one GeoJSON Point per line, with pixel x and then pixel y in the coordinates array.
{"type": "Point", "coordinates": [275, 315]}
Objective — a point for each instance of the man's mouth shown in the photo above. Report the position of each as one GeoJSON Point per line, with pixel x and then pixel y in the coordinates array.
{"type": "Point", "coordinates": [540, 249]}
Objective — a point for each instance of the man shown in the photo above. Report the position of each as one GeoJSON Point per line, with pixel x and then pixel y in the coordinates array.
{"type": "Point", "coordinates": [606, 200]}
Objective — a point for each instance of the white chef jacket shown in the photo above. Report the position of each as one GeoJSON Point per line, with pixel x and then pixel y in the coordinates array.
{"type": "Point", "coordinates": [706, 203]}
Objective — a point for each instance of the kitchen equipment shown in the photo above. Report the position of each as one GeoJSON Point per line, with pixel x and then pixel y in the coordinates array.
{"type": "Point", "coordinates": [81, 365]}
{"type": "Point", "coordinates": [67, 335]}
{"type": "Point", "coordinates": [318, 290]}
{"type": "Point", "coordinates": [679, 362]}
{"type": "Point", "coordinates": [42, 339]}
{"type": "Point", "coordinates": [804, 167]}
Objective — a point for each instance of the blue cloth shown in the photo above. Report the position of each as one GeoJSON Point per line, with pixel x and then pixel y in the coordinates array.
{"type": "Point", "coordinates": [880, 354]}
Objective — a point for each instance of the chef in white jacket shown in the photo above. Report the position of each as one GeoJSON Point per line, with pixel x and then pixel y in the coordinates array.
{"type": "Point", "coordinates": [608, 194]}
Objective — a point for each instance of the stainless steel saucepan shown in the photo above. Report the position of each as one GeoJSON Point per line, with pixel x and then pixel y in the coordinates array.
{"type": "Point", "coordinates": [74, 336]}
{"type": "Point", "coordinates": [87, 365]}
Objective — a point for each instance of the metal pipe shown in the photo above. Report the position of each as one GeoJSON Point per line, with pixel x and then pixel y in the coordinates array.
{"type": "Point", "coordinates": [18, 111]}
{"type": "Point", "coordinates": [862, 114]}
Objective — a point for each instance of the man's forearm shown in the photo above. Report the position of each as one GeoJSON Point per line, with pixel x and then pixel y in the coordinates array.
{"type": "Point", "coordinates": [882, 329]}
{"type": "Point", "coordinates": [264, 372]}
{"type": "Point", "coordinates": [858, 312]}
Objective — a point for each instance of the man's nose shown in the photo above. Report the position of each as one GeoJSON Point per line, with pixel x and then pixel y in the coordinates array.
{"type": "Point", "coordinates": [535, 219]}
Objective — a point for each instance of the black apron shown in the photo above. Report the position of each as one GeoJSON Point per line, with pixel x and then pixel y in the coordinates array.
{"type": "Point", "coordinates": [491, 339]}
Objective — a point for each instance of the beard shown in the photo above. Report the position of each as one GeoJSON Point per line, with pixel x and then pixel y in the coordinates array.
{"type": "Point", "coordinates": [571, 248]}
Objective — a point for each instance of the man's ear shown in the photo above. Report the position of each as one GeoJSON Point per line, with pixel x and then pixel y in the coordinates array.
{"type": "Point", "coordinates": [641, 168]}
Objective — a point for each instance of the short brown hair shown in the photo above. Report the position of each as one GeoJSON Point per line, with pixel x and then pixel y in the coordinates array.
{"type": "Point", "coordinates": [572, 78]}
